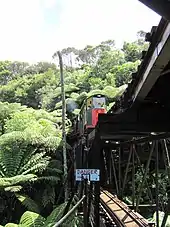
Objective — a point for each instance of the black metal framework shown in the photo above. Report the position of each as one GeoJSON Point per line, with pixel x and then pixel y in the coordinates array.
{"type": "Point", "coordinates": [128, 160]}
{"type": "Point", "coordinates": [130, 157]}
{"type": "Point", "coordinates": [161, 7]}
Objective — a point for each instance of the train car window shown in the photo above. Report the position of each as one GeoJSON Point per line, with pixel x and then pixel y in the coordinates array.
{"type": "Point", "coordinates": [99, 102]}
{"type": "Point", "coordinates": [89, 103]}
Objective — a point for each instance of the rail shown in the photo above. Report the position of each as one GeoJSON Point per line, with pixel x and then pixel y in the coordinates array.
{"type": "Point", "coordinates": [121, 214]}
{"type": "Point", "coordinates": [63, 219]}
{"type": "Point", "coordinates": [118, 213]}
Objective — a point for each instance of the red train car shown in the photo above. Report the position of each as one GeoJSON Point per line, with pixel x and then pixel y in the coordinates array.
{"type": "Point", "coordinates": [93, 119]}
{"type": "Point", "coordinates": [92, 107]}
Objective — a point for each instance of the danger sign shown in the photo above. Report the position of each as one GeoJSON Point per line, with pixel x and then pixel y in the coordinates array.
{"type": "Point", "coordinates": [87, 171]}
{"type": "Point", "coordinates": [90, 174]}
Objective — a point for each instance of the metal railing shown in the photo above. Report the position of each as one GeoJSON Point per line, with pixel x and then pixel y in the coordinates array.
{"type": "Point", "coordinates": [63, 219]}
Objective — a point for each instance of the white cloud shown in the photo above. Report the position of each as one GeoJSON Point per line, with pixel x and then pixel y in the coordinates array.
{"type": "Point", "coordinates": [20, 23]}
{"type": "Point", "coordinates": [49, 3]}
{"type": "Point", "coordinates": [82, 22]}
{"type": "Point", "coordinates": [88, 22]}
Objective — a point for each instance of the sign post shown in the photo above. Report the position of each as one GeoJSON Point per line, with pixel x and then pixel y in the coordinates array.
{"type": "Point", "coordinates": [85, 175]}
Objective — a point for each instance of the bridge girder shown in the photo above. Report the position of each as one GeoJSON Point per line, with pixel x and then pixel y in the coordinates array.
{"type": "Point", "coordinates": [162, 7]}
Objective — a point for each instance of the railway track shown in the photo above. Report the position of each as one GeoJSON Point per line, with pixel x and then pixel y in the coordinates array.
{"type": "Point", "coordinates": [119, 213]}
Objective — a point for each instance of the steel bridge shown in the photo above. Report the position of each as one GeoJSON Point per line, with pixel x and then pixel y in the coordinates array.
{"type": "Point", "coordinates": [132, 137]}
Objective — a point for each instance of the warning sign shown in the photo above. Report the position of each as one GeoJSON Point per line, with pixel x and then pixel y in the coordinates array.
{"type": "Point", "coordinates": [89, 174]}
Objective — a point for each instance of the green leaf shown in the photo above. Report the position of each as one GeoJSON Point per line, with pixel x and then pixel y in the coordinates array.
{"type": "Point", "coordinates": [55, 215]}
{"type": "Point", "coordinates": [31, 219]}
{"type": "Point", "coordinates": [10, 225]}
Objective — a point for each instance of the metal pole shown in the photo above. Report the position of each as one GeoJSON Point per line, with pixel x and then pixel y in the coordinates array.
{"type": "Point", "coordinates": [133, 176]}
{"type": "Point", "coordinates": [90, 197]}
{"type": "Point", "coordinates": [167, 159]}
{"type": "Point", "coordinates": [85, 210]}
{"type": "Point", "coordinates": [105, 166]}
{"type": "Point", "coordinates": [144, 177]}
{"type": "Point", "coordinates": [114, 173]}
{"type": "Point", "coordinates": [166, 212]}
{"type": "Point", "coordinates": [63, 122]}
{"type": "Point", "coordinates": [97, 162]}
{"type": "Point", "coordinates": [167, 167]}
{"type": "Point", "coordinates": [127, 168]}
{"type": "Point", "coordinates": [157, 184]}
{"type": "Point", "coordinates": [96, 203]}
{"type": "Point", "coordinates": [110, 167]}
{"type": "Point", "coordinates": [149, 191]}
{"type": "Point", "coordinates": [120, 149]}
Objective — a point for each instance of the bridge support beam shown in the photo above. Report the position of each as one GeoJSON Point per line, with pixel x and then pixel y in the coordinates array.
{"type": "Point", "coordinates": [162, 7]}
{"type": "Point", "coordinates": [94, 162]}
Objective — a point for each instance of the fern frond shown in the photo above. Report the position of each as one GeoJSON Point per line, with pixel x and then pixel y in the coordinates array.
{"type": "Point", "coordinates": [52, 142]}
{"type": "Point", "coordinates": [28, 203]}
{"type": "Point", "coordinates": [19, 179]}
{"type": "Point", "coordinates": [28, 155]}
{"type": "Point", "coordinates": [10, 161]}
{"type": "Point", "coordinates": [13, 188]}
{"type": "Point", "coordinates": [54, 170]}
{"type": "Point", "coordinates": [40, 167]}
{"type": "Point", "coordinates": [3, 170]}
{"type": "Point", "coordinates": [49, 178]}
{"type": "Point", "coordinates": [55, 164]}
{"type": "Point", "coordinates": [48, 196]}
{"type": "Point", "coordinates": [33, 161]}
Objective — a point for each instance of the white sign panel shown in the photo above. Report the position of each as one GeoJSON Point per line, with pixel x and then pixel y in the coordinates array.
{"type": "Point", "coordinates": [89, 174]}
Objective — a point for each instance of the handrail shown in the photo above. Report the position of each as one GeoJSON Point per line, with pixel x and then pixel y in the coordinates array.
{"type": "Point", "coordinates": [62, 220]}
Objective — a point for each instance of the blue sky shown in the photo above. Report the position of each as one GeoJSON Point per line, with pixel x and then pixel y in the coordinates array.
{"type": "Point", "coordinates": [32, 30]}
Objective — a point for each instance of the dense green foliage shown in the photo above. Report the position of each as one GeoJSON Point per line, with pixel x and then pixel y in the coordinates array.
{"type": "Point", "coordinates": [30, 123]}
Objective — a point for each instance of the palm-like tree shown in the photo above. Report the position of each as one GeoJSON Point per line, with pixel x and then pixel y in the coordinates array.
{"type": "Point", "coordinates": [26, 159]}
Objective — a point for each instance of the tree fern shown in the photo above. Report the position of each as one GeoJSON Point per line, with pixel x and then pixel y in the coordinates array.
{"type": "Point", "coordinates": [25, 151]}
